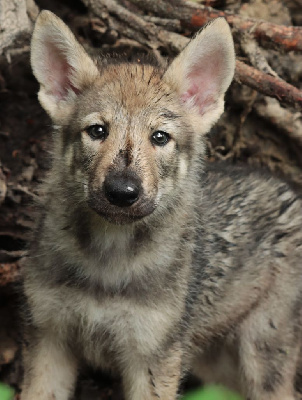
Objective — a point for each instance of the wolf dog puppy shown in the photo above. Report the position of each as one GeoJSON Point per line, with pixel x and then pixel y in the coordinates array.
{"type": "Point", "coordinates": [145, 262]}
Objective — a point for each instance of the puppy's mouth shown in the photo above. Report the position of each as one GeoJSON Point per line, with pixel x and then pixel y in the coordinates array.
{"type": "Point", "coordinates": [117, 214]}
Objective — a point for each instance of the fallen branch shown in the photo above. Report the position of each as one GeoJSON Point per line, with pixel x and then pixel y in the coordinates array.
{"type": "Point", "coordinates": [268, 85]}
{"type": "Point", "coordinates": [146, 31]}
{"type": "Point", "coordinates": [194, 16]}
{"type": "Point", "coordinates": [9, 273]}
{"type": "Point", "coordinates": [255, 55]}
{"type": "Point", "coordinates": [166, 23]}
{"type": "Point", "coordinates": [288, 122]}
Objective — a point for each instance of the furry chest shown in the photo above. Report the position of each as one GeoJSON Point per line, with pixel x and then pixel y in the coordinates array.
{"type": "Point", "coordinates": [119, 327]}
{"type": "Point", "coordinates": [99, 329]}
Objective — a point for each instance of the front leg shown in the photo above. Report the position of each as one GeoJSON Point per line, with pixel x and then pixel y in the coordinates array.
{"type": "Point", "coordinates": [50, 371]}
{"type": "Point", "coordinates": [153, 379]}
{"type": "Point", "coordinates": [270, 342]}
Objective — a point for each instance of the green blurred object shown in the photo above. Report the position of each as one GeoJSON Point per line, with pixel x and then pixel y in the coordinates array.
{"type": "Point", "coordinates": [6, 393]}
{"type": "Point", "coordinates": [212, 392]}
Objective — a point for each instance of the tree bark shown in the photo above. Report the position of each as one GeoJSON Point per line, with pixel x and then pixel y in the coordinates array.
{"type": "Point", "coordinates": [268, 85]}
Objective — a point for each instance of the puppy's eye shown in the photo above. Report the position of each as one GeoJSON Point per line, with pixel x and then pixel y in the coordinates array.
{"type": "Point", "coordinates": [160, 138]}
{"type": "Point", "coordinates": [97, 132]}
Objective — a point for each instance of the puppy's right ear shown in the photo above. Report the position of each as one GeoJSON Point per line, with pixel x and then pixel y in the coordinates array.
{"type": "Point", "coordinates": [60, 64]}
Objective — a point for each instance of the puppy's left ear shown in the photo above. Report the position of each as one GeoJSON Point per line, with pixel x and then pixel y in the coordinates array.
{"type": "Point", "coordinates": [203, 71]}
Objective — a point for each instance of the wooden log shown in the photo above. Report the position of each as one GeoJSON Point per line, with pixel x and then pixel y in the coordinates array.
{"type": "Point", "coordinates": [268, 85]}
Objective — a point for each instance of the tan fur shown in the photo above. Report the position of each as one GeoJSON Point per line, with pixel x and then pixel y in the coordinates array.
{"type": "Point", "coordinates": [48, 362]}
{"type": "Point", "coordinates": [199, 272]}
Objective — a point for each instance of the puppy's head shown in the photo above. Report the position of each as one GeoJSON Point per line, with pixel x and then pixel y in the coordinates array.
{"type": "Point", "coordinates": [129, 134]}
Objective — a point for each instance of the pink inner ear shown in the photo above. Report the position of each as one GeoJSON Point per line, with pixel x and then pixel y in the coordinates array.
{"type": "Point", "coordinates": [58, 72]}
{"type": "Point", "coordinates": [203, 86]}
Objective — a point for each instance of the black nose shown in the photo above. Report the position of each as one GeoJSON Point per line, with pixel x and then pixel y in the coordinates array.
{"type": "Point", "coordinates": [121, 190]}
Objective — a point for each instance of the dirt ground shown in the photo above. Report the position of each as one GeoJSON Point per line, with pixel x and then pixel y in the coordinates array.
{"type": "Point", "coordinates": [243, 135]}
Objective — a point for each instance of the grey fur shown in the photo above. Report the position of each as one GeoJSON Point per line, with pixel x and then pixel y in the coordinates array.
{"type": "Point", "coordinates": [202, 274]}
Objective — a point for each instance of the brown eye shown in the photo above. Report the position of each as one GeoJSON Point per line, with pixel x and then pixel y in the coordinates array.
{"type": "Point", "coordinates": [97, 132]}
{"type": "Point", "coordinates": [160, 138]}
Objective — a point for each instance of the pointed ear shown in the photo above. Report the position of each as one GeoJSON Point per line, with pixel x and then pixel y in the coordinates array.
{"type": "Point", "coordinates": [203, 71]}
{"type": "Point", "coordinates": [60, 64]}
